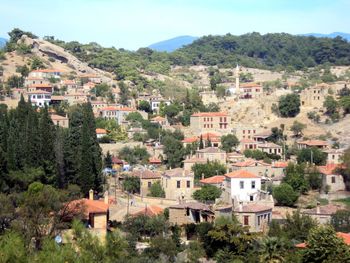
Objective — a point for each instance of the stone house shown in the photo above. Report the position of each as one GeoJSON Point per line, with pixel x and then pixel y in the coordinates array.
{"type": "Point", "coordinates": [45, 73]}
{"type": "Point", "coordinates": [202, 122]}
{"type": "Point", "coordinates": [208, 138]}
{"type": "Point", "coordinates": [270, 148]}
{"type": "Point", "coordinates": [61, 121]}
{"type": "Point", "coordinates": [253, 166]}
{"type": "Point", "coordinates": [98, 105]}
{"type": "Point", "coordinates": [178, 184]}
{"type": "Point", "coordinates": [334, 156]}
{"type": "Point", "coordinates": [189, 162]}
{"type": "Point", "coordinates": [147, 179]}
{"type": "Point", "coordinates": [314, 96]}
{"type": "Point", "coordinates": [313, 143]}
{"type": "Point", "coordinates": [77, 98]}
{"type": "Point", "coordinates": [250, 91]}
{"type": "Point", "coordinates": [212, 154]}
{"type": "Point", "coordinates": [245, 131]}
{"type": "Point", "coordinates": [255, 216]}
{"type": "Point", "coordinates": [40, 87]}
{"type": "Point", "coordinates": [160, 120]}
{"type": "Point", "coordinates": [117, 113]}
{"type": "Point", "coordinates": [322, 213]}
{"type": "Point", "coordinates": [35, 81]}
{"type": "Point", "coordinates": [332, 178]}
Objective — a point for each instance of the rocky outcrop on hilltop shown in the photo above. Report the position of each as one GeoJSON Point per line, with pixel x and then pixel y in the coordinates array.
{"type": "Point", "coordinates": [41, 48]}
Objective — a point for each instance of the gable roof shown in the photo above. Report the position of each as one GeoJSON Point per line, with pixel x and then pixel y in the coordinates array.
{"type": "Point", "coordinates": [329, 169]}
{"type": "Point", "coordinates": [314, 143]}
{"type": "Point", "coordinates": [217, 179]}
{"type": "Point", "coordinates": [89, 206]}
{"type": "Point", "coordinates": [252, 208]}
{"type": "Point", "coordinates": [250, 163]}
{"type": "Point", "coordinates": [101, 131]}
{"type": "Point", "coordinates": [210, 150]}
{"type": "Point", "coordinates": [241, 174]}
{"type": "Point", "coordinates": [280, 164]}
{"type": "Point", "coordinates": [149, 210]}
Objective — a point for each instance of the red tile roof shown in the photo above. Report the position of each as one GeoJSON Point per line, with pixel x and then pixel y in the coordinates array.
{"type": "Point", "coordinates": [329, 169]}
{"type": "Point", "coordinates": [250, 162]}
{"type": "Point", "coordinates": [250, 85]}
{"type": "Point", "coordinates": [344, 236]}
{"type": "Point", "coordinates": [112, 108]}
{"type": "Point", "coordinates": [154, 160]}
{"type": "Point", "coordinates": [89, 206]}
{"type": "Point", "coordinates": [190, 140]}
{"type": "Point", "coordinates": [195, 160]}
{"type": "Point", "coordinates": [101, 131]}
{"type": "Point", "coordinates": [217, 179]}
{"type": "Point", "coordinates": [209, 114]}
{"type": "Point", "coordinates": [252, 208]}
{"type": "Point", "coordinates": [280, 164]}
{"type": "Point", "coordinates": [241, 174]}
{"type": "Point", "coordinates": [149, 210]}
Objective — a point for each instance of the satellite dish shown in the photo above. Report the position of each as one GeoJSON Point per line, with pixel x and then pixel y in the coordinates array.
{"type": "Point", "coordinates": [58, 239]}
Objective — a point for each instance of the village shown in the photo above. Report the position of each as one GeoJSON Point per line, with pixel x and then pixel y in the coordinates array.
{"type": "Point", "coordinates": [245, 156]}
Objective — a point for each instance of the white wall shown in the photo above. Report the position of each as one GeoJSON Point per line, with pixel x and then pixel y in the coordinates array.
{"type": "Point", "coordinates": [245, 193]}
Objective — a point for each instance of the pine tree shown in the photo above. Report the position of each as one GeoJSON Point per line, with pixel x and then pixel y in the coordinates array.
{"type": "Point", "coordinates": [201, 144]}
{"type": "Point", "coordinates": [108, 160]}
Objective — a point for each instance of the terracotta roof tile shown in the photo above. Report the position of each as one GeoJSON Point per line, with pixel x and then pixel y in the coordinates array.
{"type": "Point", "coordinates": [329, 169]}
{"type": "Point", "coordinates": [252, 208]}
{"type": "Point", "coordinates": [241, 174]}
{"type": "Point", "coordinates": [314, 143]}
{"type": "Point", "coordinates": [149, 210]}
{"type": "Point", "coordinates": [101, 131]}
{"type": "Point", "coordinates": [217, 179]}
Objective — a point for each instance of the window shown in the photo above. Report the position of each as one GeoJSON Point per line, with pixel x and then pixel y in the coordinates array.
{"type": "Point", "coordinates": [258, 220]}
{"type": "Point", "coordinates": [333, 179]}
{"type": "Point", "coordinates": [246, 220]}
{"type": "Point", "coordinates": [149, 184]}
{"type": "Point", "coordinates": [241, 184]}
{"type": "Point", "coordinates": [253, 184]}
{"type": "Point", "coordinates": [178, 183]}
{"type": "Point", "coordinates": [211, 119]}
{"type": "Point", "coordinates": [243, 131]}
{"type": "Point", "coordinates": [188, 184]}
{"type": "Point", "coordinates": [251, 198]}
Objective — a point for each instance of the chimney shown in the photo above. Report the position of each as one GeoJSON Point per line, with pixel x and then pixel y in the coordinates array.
{"type": "Point", "coordinates": [91, 194]}
{"type": "Point", "coordinates": [105, 199]}
{"type": "Point", "coordinates": [202, 176]}
{"type": "Point", "coordinates": [318, 210]}
{"type": "Point", "coordinates": [240, 207]}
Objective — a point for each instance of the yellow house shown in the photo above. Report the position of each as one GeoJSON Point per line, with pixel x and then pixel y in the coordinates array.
{"type": "Point", "coordinates": [178, 184]}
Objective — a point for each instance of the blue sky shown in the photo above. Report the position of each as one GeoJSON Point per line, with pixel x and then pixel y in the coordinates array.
{"type": "Point", "coordinates": [132, 24]}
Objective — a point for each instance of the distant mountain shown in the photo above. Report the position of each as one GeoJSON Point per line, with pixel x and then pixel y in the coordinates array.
{"type": "Point", "coordinates": [173, 43]}
{"type": "Point", "coordinates": [331, 35]}
{"type": "Point", "coordinates": [2, 42]}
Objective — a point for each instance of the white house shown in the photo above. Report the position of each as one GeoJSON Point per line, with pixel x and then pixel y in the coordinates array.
{"type": "Point", "coordinates": [118, 114]}
{"type": "Point", "coordinates": [39, 98]}
{"type": "Point", "coordinates": [242, 186]}
{"type": "Point", "coordinates": [156, 101]}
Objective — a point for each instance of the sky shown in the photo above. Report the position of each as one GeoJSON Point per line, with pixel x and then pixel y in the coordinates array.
{"type": "Point", "coordinates": [132, 24]}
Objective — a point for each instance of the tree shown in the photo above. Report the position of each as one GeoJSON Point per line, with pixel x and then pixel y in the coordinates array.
{"type": "Point", "coordinates": [341, 221]}
{"type": "Point", "coordinates": [272, 250]}
{"type": "Point", "coordinates": [323, 245]}
{"type": "Point", "coordinates": [208, 169]}
{"type": "Point", "coordinates": [331, 105]}
{"type": "Point", "coordinates": [289, 105]}
{"type": "Point", "coordinates": [144, 106]}
{"type": "Point", "coordinates": [285, 195]}
{"type": "Point", "coordinates": [15, 81]}
{"type": "Point", "coordinates": [207, 193]}
{"type": "Point", "coordinates": [296, 178]}
{"type": "Point", "coordinates": [108, 160]}
{"type": "Point", "coordinates": [131, 184]}
{"type": "Point", "coordinates": [297, 226]}
{"type": "Point", "coordinates": [37, 63]}
{"type": "Point", "coordinates": [171, 111]}
{"type": "Point", "coordinates": [229, 142]}
{"type": "Point", "coordinates": [297, 128]}
{"type": "Point", "coordinates": [23, 70]}
{"type": "Point", "coordinates": [345, 104]}
{"type": "Point", "coordinates": [156, 190]}
{"type": "Point", "coordinates": [174, 151]}
{"type": "Point", "coordinates": [124, 94]}
{"type": "Point", "coordinates": [311, 155]}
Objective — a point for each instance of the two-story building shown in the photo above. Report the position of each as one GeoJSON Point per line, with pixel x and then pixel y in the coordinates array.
{"type": "Point", "coordinates": [314, 96]}
{"type": "Point", "coordinates": [255, 216]}
{"type": "Point", "coordinates": [45, 73]}
{"type": "Point", "coordinates": [332, 178]}
{"type": "Point", "coordinates": [59, 120]}
{"type": "Point", "coordinates": [212, 154]}
{"type": "Point", "coordinates": [178, 184]}
{"type": "Point", "coordinates": [242, 186]}
{"type": "Point", "coordinates": [202, 122]}
{"type": "Point", "coordinates": [116, 113]}
{"type": "Point", "coordinates": [39, 98]}
{"type": "Point", "coordinates": [250, 91]}
{"type": "Point", "coordinates": [313, 143]}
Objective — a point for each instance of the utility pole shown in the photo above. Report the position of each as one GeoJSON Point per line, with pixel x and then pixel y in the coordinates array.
{"type": "Point", "coordinates": [312, 159]}
{"type": "Point", "coordinates": [115, 186]}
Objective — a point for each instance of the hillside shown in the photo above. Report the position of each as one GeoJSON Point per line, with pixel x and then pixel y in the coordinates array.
{"type": "Point", "coordinates": [172, 44]}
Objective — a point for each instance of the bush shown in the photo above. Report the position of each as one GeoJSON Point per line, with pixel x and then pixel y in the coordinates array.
{"type": "Point", "coordinates": [289, 105]}
{"type": "Point", "coordinates": [156, 190]}
{"type": "Point", "coordinates": [285, 195]}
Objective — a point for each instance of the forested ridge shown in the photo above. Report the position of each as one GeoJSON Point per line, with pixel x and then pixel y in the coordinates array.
{"type": "Point", "coordinates": [250, 50]}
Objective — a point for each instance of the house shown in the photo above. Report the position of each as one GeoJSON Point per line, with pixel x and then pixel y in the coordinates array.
{"type": "Point", "coordinates": [91, 78]}
{"type": "Point", "coordinates": [313, 143]}
{"type": "Point", "coordinates": [117, 163]}
{"type": "Point", "coordinates": [242, 186]}
{"type": "Point", "coordinates": [190, 161]}
{"type": "Point", "coordinates": [156, 101]}
{"type": "Point", "coordinates": [332, 177]}
{"type": "Point", "coordinates": [202, 122]}
{"type": "Point", "coordinates": [314, 96]}
{"type": "Point", "coordinates": [98, 105]}
{"type": "Point", "coordinates": [155, 161]}
{"type": "Point", "coordinates": [322, 213]}
{"type": "Point", "coordinates": [36, 87]}
{"type": "Point", "coordinates": [212, 154]}
{"type": "Point", "coordinates": [149, 210]}
{"type": "Point", "coordinates": [253, 166]}
{"type": "Point", "coordinates": [57, 100]}
{"type": "Point", "coordinates": [262, 136]}
{"type": "Point", "coordinates": [135, 130]}
{"type": "Point", "coordinates": [69, 84]}
{"type": "Point", "coordinates": [207, 138]}
{"type": "Point", "coordinates": [39, 98]}
{"type": "Point", "coordinates": [117, 113]}
{"type": "Point", "coordinates": [35, 81]}
{"type": "Point", "coordinates": [250, 91]}
{"type": "Point", "coordinates": [245, 131]}
{"type": "Point", "coordinates": [235, 157]}
{"type": "Point", "coordinates": [61, 121]}
{"type": "Point", "coordinates": [178, 184]}
{"type": "Point", "coordinates": [248, 144]}
{"type": "Point", "coordinates": [216, 180]}
{"type": "Point", "coordinates": [334, 156]}
{"type": "Point", "coordinates": [270, 148]}
{"type": "Point", "coordinates": [255, 216]}
{"type": "Point", "coordinates": [96, 212]}
{"type": "Point", "coordinates": [77, 98]}
{"type": "Point", "coordinates": [160, 120]}
{"type": "Point", "coordinates": [147, 179]}
{"type": "Point", "coordinates": [192, 212]}
{"type": "Point", "coordinates": [45, 73]}
{"type": "Point", "coordinates": [100, 133]}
